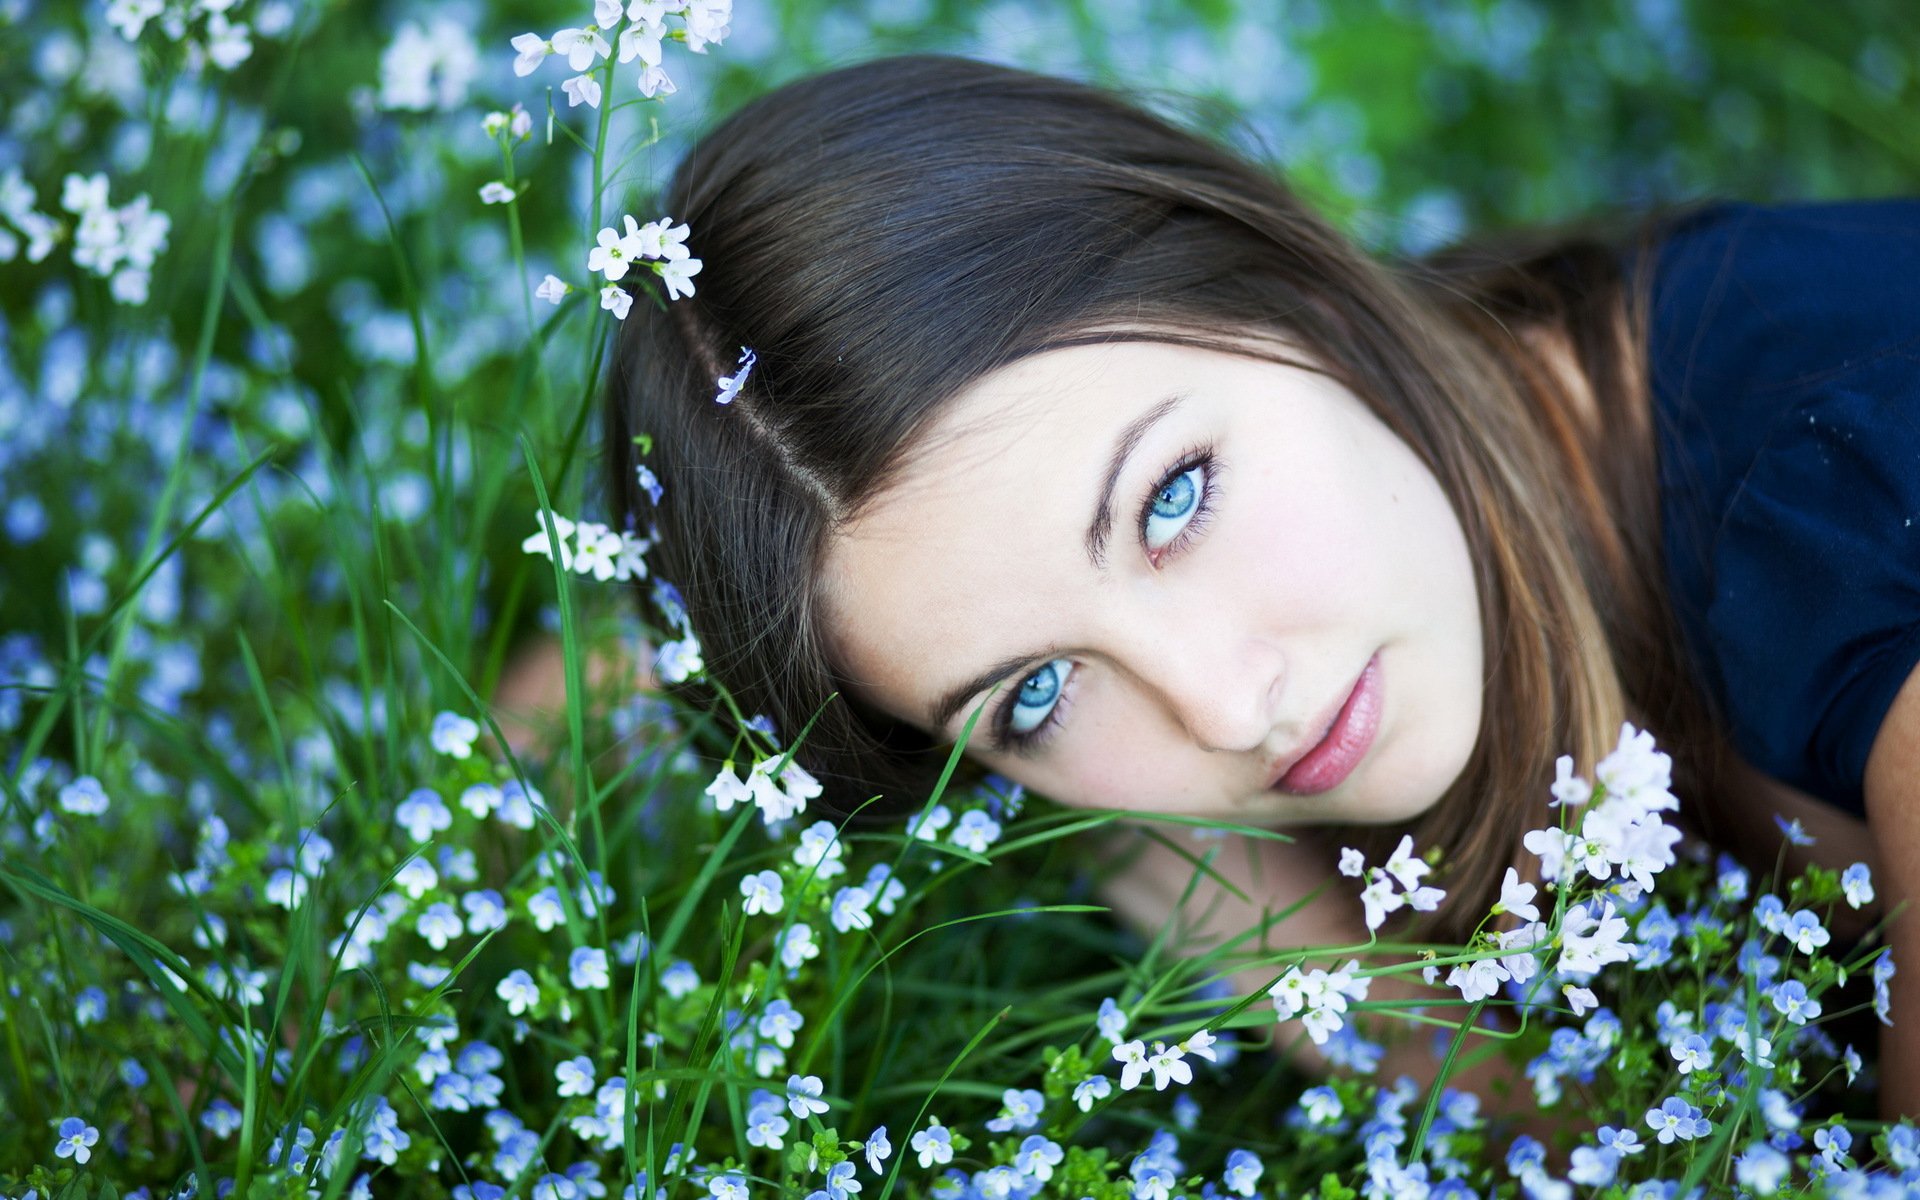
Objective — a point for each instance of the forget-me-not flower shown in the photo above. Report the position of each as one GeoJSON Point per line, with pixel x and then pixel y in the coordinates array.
{"type": "Point", "coordinates": [76, 1139]}
{"type": "Point", "coordinates": [934, 1144]}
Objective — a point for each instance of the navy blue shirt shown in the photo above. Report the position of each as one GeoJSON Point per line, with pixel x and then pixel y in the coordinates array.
{"type": "Point", "coordinates": [1785, 364]}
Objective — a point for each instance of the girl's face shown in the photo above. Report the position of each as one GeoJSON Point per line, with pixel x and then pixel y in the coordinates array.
{"type": "Point", "coordinates": [1176, 564]}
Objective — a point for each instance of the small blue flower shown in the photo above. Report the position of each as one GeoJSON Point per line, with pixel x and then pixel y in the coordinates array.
{"type": "Point", "coordinates": [934, 1144]}
{"type": "Point", "coordinates": [1037, 1157]}
{"type": "Point", "coordinates": [1692, 1053]}
{"type": "Point", "coordinates": [84, 797]}
{"type": "Point", "coordinates": [1793, 830]}
{"type": "Point", "coordinates": [803, 1095]}
{"type": "Point", "coordinates": [76, 1136]}
{"type": "Point", "coordinates": [649, 483]}
{"type": "Point", "coordinates": [89, 1006]}
{"type": "Point", "coordinates": [422, 814]}
{"type": "Point", "coordinates": [1856, 883]}
{"type": "Point", "coordinates": [1675, 1118]}
{"type": "Point", "coordinates": [877, 1149]}
{"type": "Point", "coordinates": [221, 1119]}
{"type": "Point", "coordinates": [840, 1182]}
{"type": "Point", "coordinates": [1243, 1172]}
{"type": "Point", "coordinates": [587, 969]}
{"type": "Point", "coordinates": [1791, 999]}
{"type": "Point", "coordinates": [1020, 1109]}
{"type": "Point", "coordinates": [453, 736]}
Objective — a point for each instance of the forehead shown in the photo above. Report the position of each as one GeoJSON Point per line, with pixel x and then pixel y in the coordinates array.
{"type": "Point", "coordinates": [980, 537]}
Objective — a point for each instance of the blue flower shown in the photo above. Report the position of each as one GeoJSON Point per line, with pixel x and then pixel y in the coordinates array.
{"type": "Point", "coordinates": [841, 1182]}
{"type": "Point", "coordinates": [1243, 1172]}
{"type": "Point", "coordinates": [803, 1095]}
{"type": "Point", "coordinates": [76, 1136]}
{"type": "Point", "coordinates": [1791, 999]}
{"type": "Point", "coordinates": [89, 1006]}
{"type": "Point", "coordinates": [934, 1144]}
{"type": "Point", "coordinates": [1020, 1109]}
{"type": "Point", "coordinates": [877, 1149]}
{"type": "Point", "coordinates": [587, 969]}
{"type": "Point", "coordinates": [84, 797]}
{"type": "Point", "coordinates": [423, 813]}
{"type": "Point", "coordinates": [1793, 830]}
{"type": "Point", "coordinates": [1675, 1118]}
{"type": "Point", "coordinates": [1037, 1157]}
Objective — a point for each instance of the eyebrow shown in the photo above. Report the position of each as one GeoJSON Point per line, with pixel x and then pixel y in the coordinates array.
{"type": "Point", "coordinates": [1098, 531]}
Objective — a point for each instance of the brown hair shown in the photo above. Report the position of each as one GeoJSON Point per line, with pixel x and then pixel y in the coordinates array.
{"type": "Point", "coordinates": [884, 234]}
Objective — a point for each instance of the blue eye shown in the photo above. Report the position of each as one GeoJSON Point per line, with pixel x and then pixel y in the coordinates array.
{"type": "Point", "coordinates": [1173, 506]}
{"type": "Point", "coordinates": [1035, 699]}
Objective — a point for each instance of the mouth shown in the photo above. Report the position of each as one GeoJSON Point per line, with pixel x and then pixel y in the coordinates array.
{"type": "Point", "coordinates": [1348, 734]}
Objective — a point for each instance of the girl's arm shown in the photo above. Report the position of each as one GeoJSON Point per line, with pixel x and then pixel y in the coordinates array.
{"type": "Point", "coordinates": [532, 696]}
{"type": "Point", "coordinates": [1892, 793]}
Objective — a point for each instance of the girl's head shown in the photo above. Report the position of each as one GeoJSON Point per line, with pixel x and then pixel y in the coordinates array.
{"type": "Point", "coordinates": [1052, 397]}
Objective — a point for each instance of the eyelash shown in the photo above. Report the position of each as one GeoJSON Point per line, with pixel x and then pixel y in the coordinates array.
{"type": "Point", "coordinates": [1005, 739]}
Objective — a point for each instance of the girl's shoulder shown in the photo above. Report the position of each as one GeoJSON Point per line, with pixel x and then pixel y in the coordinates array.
{"type": "Point", "coordinates": [1784, 363]}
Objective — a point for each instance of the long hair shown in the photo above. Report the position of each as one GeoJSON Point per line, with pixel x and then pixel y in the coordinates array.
{"type": "Point", "coordinates": [884, 234]}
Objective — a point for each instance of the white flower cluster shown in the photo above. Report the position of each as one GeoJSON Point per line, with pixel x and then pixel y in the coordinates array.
{"type": "Point", "coordinates": [1321, 995]}
{"type": "Point", "coordinates": [220, 39]}
{"type": "Point", "coordinates": [1167, 1063]}
{"type": "Point", "coordinates": [777, 799]}
{"type": "Point", "coordinates": [590, 548]}
{"type": "Point", "coordinates": [705, 21]}
{"type": "Point", "coordinates": [428, 67]}
{"type": "Point", "coordinates": [661, 241]}
{"type": "Point", "coordinates": [1379, 897]}
{"type": "Point", "coordinates": [1624, 832]}
{"type": "Point", "coordinates": [119, 244]}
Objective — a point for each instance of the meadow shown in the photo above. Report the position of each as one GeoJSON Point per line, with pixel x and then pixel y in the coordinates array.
{"type": "Point", "coordinates": [307, 308]}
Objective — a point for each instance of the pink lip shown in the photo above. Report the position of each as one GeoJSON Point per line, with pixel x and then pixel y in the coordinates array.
{"type": "Point", "coordinates": [1349, 735]}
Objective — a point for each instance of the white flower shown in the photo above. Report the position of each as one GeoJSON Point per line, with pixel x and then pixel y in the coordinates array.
{"type": "Point", "coordinates": [1132, 1057]}
{"type": "Point", "coordinates": [496, 192]}
{"type": "Point", "coordinates": [81, 194]}
{"type": "Point", "coordinates": [616, 300]}
{"type": "Point", "coordinates": [581, 46]}
{"type": "Point", "coordinates": [582, 89]}
{"type": "Point", "coordinates": [1404, 867]}
{"type": "Point", "coordinates": [532, 50]}
{"type": "Point", "coordinates": [655, 82]}
{"type": "Point", "coordinates": [1479, 979]}
{"type": "Point", "coordinates": [1168, 1064]}
{"type": "Point", "coordinates": [678, 275]}
{"type": "Point", "coordinates": [1352, 863]}
{"type": "Point", "coordinates": [1379, 898]}
{"type": "Point", "coordinates": [597, 548]}
{"type": "Point", "coordinates": [551, 289]}
{"type": "Point", "coordinates": [1582, 999]}
{"type": "Point", "coordinates": [641, 40]}
{"type": "Point", "coordinates": [727, 790]}
{"type": "Point", "coordinates": [426, 68]}
{"type": "Point", "coordinates": [707, 22]}
{"type": "Point", "coordinates": [1552, 847]}
{"type": "Point", "coordinates": [680, 661]}
{"type": "Point", "coordinates": [1568, 788]}
{"type": "Point", "coordinates": [1516, 897]}
{"type": "Point", "coordinates": [730, 385]}
{"type": "Point", "coordinates": [1591, 942]}
{"type": "Point", "coordinates": [130, 17]}
{"type": "Point", "coordinates": [541, 544]}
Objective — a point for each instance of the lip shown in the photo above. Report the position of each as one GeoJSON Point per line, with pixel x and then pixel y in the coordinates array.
{"type": "Point", "coordinates": [1349, 735]}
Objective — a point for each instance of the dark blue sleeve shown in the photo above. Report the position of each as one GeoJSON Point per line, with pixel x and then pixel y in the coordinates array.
{"type": "Point", "coordinates": [1785, 361]}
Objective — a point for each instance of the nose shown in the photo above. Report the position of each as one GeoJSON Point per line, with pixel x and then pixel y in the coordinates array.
{"type": "Point", "coordinates": [1221, 687]}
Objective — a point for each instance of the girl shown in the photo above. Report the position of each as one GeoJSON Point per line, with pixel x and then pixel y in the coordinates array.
{"type": "Point", "coordinates": [1045, 414]}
